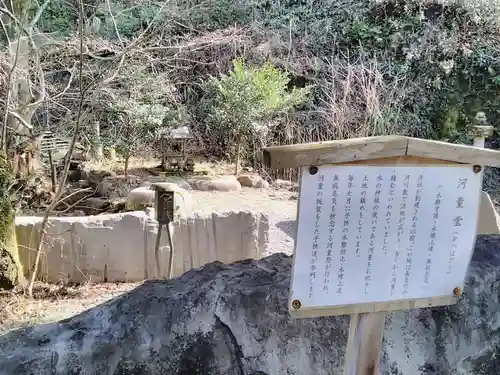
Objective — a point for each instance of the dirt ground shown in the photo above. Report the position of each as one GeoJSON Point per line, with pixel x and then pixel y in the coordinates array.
{"type": "Point", "coordinates": [55, 302]}
{"type": "Point", "coordinates": [51, 303]}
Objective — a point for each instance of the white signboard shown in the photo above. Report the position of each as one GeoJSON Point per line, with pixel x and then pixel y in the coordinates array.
{"type": "Point", "coordinates": [369, 234]}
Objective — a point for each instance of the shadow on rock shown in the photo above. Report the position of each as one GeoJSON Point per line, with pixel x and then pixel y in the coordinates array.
{"type": "Point", "coordinates": [233, 319]}
{"type": "Point", "coordinates": [287, 226]}
{"type": "Point", "coordinates": [218, 319]}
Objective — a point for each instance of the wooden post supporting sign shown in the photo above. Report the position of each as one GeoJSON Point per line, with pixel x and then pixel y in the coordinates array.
{"type": "Point", "coordinates": [383, 224]}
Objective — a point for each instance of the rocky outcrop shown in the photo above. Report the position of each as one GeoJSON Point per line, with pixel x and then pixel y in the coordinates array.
{"type": "Point", "coordinates": [252, 180]}
{"type": "Point", "coordinates": [145, 196]}
{"type": "Point", "coordinates": [120, 247]}
{"type": "Point", "coordinates": [117, 186]}
{"type": "Point", "coordinates": [93, 206]}
{"type": "Point", "coordinates": [284, 184]}
{"type": "Point", "coordinates": [170, 180]}
{"type": "Point", "coordinates": [223, 183]}
{"type": "Point", "coordinates": [140, 198]}
{"type": "Point", "coordinates": [95, 176]}
{"type": "Point", "coordinates": [232, 319]}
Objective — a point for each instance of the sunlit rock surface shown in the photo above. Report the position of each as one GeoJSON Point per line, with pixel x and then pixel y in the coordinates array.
{"type": "Point", "coordinates": [232, 319]}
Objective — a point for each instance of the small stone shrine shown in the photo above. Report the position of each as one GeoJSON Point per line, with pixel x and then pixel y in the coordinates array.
{"type": "Point", "coordinates": [174, 146]}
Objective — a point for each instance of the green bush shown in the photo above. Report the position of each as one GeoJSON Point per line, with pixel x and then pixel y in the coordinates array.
{"type": "Point", "coordinates": [246, 103]}
{"type": "Point", "coordinates": [58, 18]}
{"type": "Point", "coordinates": [129, 20]}
{"type": "Point", "coordinates": [219, 14]}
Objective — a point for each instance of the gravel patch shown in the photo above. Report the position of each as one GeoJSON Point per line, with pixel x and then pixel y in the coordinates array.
{"type": "Point", "coordinates": [280, 205]}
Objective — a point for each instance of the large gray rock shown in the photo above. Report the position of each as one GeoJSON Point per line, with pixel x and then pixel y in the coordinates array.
{"type": "Point", "coordinates": [95, 176]}
{"type": "Point", "coordinates": [459, 339]}
{"type": "Point", "coordinates": [222, 183]}
{"type": "Point", "coordinates": [232, 319]}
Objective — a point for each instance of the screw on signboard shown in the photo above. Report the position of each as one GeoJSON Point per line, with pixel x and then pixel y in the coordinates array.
{"type": "Point", "coordinates": [296, 304]}
{"type": "Point", "coordinates": [457, 292]}
{"type": "Point", "coordinates": [313, 170]}
{"type": "Point", "coordinates": [476, 169]}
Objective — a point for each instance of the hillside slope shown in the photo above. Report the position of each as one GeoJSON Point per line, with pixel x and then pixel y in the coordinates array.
{"type": "Point", "coordinates": [421, 68]}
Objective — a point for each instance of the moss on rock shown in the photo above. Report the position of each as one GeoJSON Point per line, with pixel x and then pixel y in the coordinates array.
{"type": "Point", "coordinates": [10, 266]}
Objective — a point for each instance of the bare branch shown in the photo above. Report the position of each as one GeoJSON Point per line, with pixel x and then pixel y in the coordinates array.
{"type": "Point", "coordinates": [136, 41]}
{"type": "Point", "coordinates": [67, 160]}
{"type": "Point", "coordinates": [114, 22]}
{"type": "Point", "coordinates": [122, 54]}
{"type": "Point", "coordinates": [18, 117]}
{"type": "Point", "coordinates": [108, 80]}
{"type": "Point", "coordinates": [41, 91]}
{"type": "Point", "coordinates": [41, 75]}
{"type": "Point", "coordinates": [5, 31]}
{"type": "Point", "coordinates": [68, 85]}
{"type": "Point", "coordinates": [3, 139]}
{"type": "Point", "coordinates": [38, 14]}
{"type": "Point", "coordinates": [75, 193]}
{"type": "Point", "coordinates": [10, 14]}
{"type": "Point", "coordinates": [19, 23]}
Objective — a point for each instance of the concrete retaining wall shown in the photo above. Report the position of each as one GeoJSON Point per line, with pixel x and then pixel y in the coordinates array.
{"type": "Point", "coordinates": [113, 247]}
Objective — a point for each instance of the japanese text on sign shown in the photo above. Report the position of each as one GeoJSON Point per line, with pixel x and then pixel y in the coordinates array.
{"type": "Point", "coordinates": [383, 233]}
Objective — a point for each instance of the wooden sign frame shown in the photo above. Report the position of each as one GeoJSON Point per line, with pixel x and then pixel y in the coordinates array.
{"type": "Point", "coordinates": [366, 329]}
{"type": "Point", "coordinates": [405, 304]}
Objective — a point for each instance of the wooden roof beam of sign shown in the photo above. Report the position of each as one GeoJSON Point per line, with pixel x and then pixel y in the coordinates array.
{"type": "Point", "coordinates": [356, 149]}
{"type": "Point", "coordinates": [330, 152]}
{"type": "Point", "coordinates": [453, 152]}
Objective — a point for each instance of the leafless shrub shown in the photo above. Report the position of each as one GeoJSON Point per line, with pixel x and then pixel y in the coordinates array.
{"type": "Point", "coordinates": [359, 99]}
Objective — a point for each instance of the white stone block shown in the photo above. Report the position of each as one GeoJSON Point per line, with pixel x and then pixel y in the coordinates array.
{"type": "Point", "coordinates": [119, 247]}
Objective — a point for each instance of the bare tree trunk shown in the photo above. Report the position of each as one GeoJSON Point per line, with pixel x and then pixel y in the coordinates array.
{"type": "Point", "coordinates": [21, 92]}
{"type": "Point", "coordinates": [125, 167]}
{"type": "Point", "coordinates": [238, 155]}
{"type": "Point", "coordinates": [11, 272]}
{"type": "Point", "coordinates": [62, 182]}
{"type": "Point", "coordinates": [97, 148]}
{"type": "Point", "coordinates": [53, 172]}
{"type": "Point", "coordinates": [110, 154]}
{"type": "Point", "coordinates": [17, 90]}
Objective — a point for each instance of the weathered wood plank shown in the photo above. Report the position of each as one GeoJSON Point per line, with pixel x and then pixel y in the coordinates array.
{"type": "Point", "coordinates": [404, 160]}
{"type": "Point", "coordinates": [331, 152]}
{"type": "Point", "coordinates": [453, 152]}
{"type": "Point", "coordinates": [376, 148]}
{"type": "Point", "coordinates": [364, 343]}
{"type": "Point", "coordinates": [488, 220]}
{"type": "Point", "coordinates": [375, 307]}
